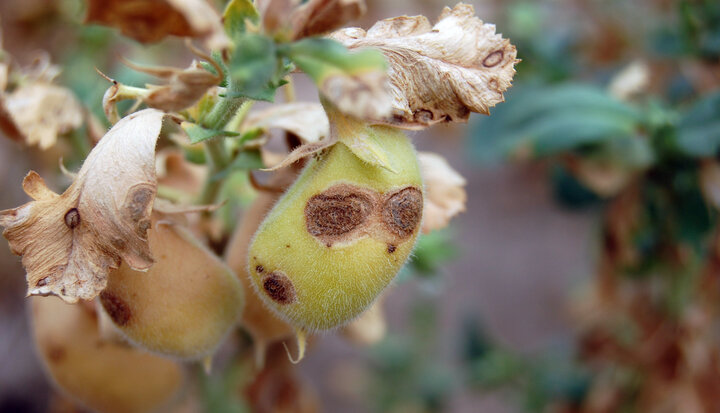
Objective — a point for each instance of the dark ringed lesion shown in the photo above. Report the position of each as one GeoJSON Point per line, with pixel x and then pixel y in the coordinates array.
{"type": "Point", "coordinates": [493, 59]}
{"type": "Point", "coordinates": [402, 211]}
{"type": "Point", "coordinates": [337, 211]}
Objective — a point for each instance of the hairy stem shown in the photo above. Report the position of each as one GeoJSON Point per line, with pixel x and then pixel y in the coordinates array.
{"type": "Point", "coordinates": [223, 111]}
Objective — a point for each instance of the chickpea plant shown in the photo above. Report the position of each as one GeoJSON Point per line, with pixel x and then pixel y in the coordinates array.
{"type": "Point", "coordinates": [327, 232]}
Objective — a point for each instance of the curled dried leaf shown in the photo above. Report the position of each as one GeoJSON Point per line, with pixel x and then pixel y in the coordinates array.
{"type": "Point", "coordinates": [184, 87]}
{"type": "Point", "coordinates": [439, 73]}
{"type": "Point", "coordinates": [150, 21]}
{"type": "Point", "coordinates": [444, 191]}
{"type": "Point", "coordinates": [304, 119]}
{"type": "Point", "coordinates": [69, 242]}
{"type": "Point", "coordinates": [39, 112]}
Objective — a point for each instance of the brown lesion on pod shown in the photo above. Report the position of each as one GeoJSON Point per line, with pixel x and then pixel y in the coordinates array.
{"type": "Point", "coordinates": [118, 310]}
{"type": "Point", "coordinates": [335, 214]}
{"type": "Point", "coordinates": [402, 211]}
{"type": "Point", "coordinates": [279, 288]}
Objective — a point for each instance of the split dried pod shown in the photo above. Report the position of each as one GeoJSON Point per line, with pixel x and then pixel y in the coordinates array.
{"type": "Point", "coordinates": [101, 375]}
{"type": "Point", "coordinates": [341, 232]}
{"type": "Point", "coordinates": [184, 305]}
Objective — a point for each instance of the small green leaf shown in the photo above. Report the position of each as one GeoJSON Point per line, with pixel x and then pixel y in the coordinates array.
{"type": "Point", "coordinates": [699, 128]}
{"type": "Point", "coordinates": [245, 160]}
{"type": "Point", "coordinates": [254, 70]}
{"type": "Point", "coordinates": [197, 133]}
{"type": "Point", "coordinates": [236, 15]}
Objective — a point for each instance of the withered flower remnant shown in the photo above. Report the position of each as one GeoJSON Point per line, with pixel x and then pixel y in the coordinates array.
{"type": "Point", "coordinates": [34, 110]}
{"type": "Point", "coordinates": [69, 242]}
{"type": "Point", "coordinates": [445, 191]}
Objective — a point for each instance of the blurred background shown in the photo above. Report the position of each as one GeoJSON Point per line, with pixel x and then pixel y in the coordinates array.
{"type": "Point", "coordinates": [583, 276]}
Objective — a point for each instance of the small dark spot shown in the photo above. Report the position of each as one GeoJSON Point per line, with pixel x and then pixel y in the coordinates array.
{"type": "Point", "coordinates": [118, 243]}
{"type": "Point", "coordinates": [424, 116]}
{"type": "Point", "coordinates": [328, 244]}
{"type": "Point", "coordinates": [402, 211]}
{"type": "Point", "coordinates": [62, 291]}
{"type": "Point", "coordinates": [72, 218]}
{"type": "Point", "coordinates": [259, 269]}
{"type": "Point", "coordinates": [337, 211]}
{"type": "Point", "coordinates": [116, 308]}
{"type": "Point", "coordinates": [279, 287]}
{"type": "Point", "coordinates": [391, 248]}
{"type": "Point", "coordinates": [493, 59]}
{"type": "Point", "coordinates": [287, 246]}
{"type": "Point", "coordinates": [42, 282]}
{"type": "Point", "coordinates": [56, 354]}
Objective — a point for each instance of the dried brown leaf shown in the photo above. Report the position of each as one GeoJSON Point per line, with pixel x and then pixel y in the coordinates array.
{"type": "Point", "coordinates": [40, 112]}
{"type": "Point", "coordinates": [439, 73]}
{"type": "Point", "coordinates": [150, 21]}
{"type": "Point", "coordinates": [69, 242]}
{"type": "Point", "coordinates": [444, 191]}
{"type": "Point", "coordinates": [305, 120]}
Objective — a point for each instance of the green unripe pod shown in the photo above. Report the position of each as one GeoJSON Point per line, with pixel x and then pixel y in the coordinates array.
{"type": "Point", "coordinates": [184, 305]}
{"type": "Point", "coordinates": [339, 235]}
{"type": "Point", "coordinates": [104, 376]}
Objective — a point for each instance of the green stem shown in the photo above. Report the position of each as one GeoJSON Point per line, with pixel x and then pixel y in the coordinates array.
{"type": "Point", "coordinates": [223, 111]}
